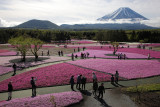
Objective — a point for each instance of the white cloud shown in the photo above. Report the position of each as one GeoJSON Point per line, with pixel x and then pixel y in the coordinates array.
{"type": "Point", "coordinates": [4, 23]}
{"type": "Point", "coordinates": [72, 11]}
{"type": "Point", "coordinates": [155, 22]}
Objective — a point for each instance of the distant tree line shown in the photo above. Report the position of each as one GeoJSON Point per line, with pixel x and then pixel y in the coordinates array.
{"type": "Point", "coordinates": [100, 35]}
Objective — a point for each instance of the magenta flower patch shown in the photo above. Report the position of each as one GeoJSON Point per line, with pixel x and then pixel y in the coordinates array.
{"type": "Point", "coordinates": [48, 100]}
{"type": "Point", "coordinates": [127, 68]}
{"type": "Point", "coordinates": [58, 74]}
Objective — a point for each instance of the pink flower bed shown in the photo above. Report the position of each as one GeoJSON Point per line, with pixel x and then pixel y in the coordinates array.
{"type": "Point", "coordinates": [127, 68]}
{"type": "Point", "coordinates": [103, 54]}
{"type": "Point", "coordinates": [5, 62]}
{"type": "Point", "coordinates": [4, 70]}
{"type": "Point", "coordinates": [85, 42]}
{"type": "Point", "coordinates": [48, 100]}
{"type": "Point", "coordinates": [8, 53]}
{"type": "Point", "coordinates": [153, 44]}
{"type": "Point", "coordinates": [2, 51]}
{"type": "Point", "coordinates": [145, 52]}
{"type": "Point", "coordinates": [58, 74]}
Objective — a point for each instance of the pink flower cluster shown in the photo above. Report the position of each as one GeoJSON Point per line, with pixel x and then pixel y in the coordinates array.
{"type": "Point", "coordinates": [127, 68]}
{"type": "Point", "coordinates": [11, 53]}
{"type": "Point", "coordinates": [58, 74]}
{"type": "Point", "coordinates": [48, 100]}
{"type": "Point", "coordinates": [153, 44]}
{"type": "Point", "coordinates": [4, 70]}
{"type": "Point", "coordinates": [154, 54]}
{"type": "Point", "coordinates": [107, 54]}
{"type": "Point", "coordinates": [2, 51]}
{"type": "Point", "coordinates": [5, 62]}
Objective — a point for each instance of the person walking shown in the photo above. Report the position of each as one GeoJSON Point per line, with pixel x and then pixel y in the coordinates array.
{"type": "Point", "coordinates": [116, 76]}
{"type": "Point", "coordinates": [72, 82]}
{"type": "Point", "coordinates": [83, 81]}
{"type": "Point", "coordinates": [33, 83]}
{"type": "Point", "coordinates": [14, 69]}
{"type": "Point", "coordinates": [94, 77]}
{"type": "Point", "coordinates": [10, 89]}
{"type": "Point", "coordinates": [95, 87]}
{"type": "Point", "coordinates": [78, 86]}
{"type": "Point", "coordinates": [101, 90]}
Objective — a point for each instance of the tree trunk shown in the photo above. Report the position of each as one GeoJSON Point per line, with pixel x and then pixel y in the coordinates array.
{"type": "Point", "coordinates": [36, 57]}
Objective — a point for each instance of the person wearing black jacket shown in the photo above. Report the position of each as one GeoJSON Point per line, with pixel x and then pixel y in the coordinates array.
{"type": "Point", "coordinates": [14, 68]}
{"type": "Point", "coordinates": [101, 90]}
{"type": "Point", "coordinates": [33, 86]}
{"type": "Point", "coordinates": [83, 81]}
{"type": "Point", "coordinates": [10, 89]}
{"type": "Point", "coordinates": [72, 82]}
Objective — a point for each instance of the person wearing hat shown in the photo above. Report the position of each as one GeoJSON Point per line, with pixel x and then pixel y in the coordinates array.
{"type": "Point", "coordinates": [10, 89]}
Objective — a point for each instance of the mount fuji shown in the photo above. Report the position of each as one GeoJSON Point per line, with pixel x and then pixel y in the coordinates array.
{"type": "Point", "coordinates": [123, 13]}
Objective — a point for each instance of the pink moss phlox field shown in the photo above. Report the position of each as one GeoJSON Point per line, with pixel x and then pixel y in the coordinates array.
{"type": "Point", "coordinates": [58, 74]}
{"type": "Point", "coordinates": [2, 50]}
{"type": "Point", "coordinates": [153, 44]}
{"type": "Point", "coordinates": [127, 68]}
{"type": "Point", "coordinates": [107, 54]}
{"type": "Point", "coordinates": [5, 62]}
{"type": "Point", "coordinates": [48, 100]}
{"type": "Point", "coordinates": [4, 70]}
{"type": "Point", "coordinates": [154, 54]}
{"type": "Point", "coordinates": [7, 53]}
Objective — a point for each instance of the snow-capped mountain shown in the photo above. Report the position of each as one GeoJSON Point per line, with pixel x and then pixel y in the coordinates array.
{"type": "Point", "coordinates": [123, 13]}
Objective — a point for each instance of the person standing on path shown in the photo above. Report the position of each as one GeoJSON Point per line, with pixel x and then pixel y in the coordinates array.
{"type": "Point", "coordinates": [78, 86]}
{"type": "Point", "coordinates": [116, 76]}
{"type": "Point", "coordinates": [72, 57]}
{"type": "Point", "coordinates": [48, 53]}
{"type": "Point", "coordinates": [59, 53]}
{"type": "Point", "coordinates": [62, 53]}
{"type": "Point", "coordinates": [101, 90]}
{"type": "Point", "coordinates": [14, 68]}
{"type": "Point", "coordinates": [33, 83]}
{"type": "Point", "coordinates": [10, 89]}
{"type": "Point", "coordinates": [112, 79]}
{"type": "Point", "coordinates": [95, 87]}
{"type": "Point", "coordinates": [72, 82]}
{"type": "Point", "coordinates": [83, 82]}
{"type": "Point", "coordinates": [94, 77]}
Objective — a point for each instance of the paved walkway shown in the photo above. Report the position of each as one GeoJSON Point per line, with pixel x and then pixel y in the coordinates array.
{"type": "Point", "coordinates": [111, 97]}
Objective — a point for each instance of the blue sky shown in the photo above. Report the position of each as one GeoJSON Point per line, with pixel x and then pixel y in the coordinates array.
{"type": "Point", "coordinates": [13, 12]}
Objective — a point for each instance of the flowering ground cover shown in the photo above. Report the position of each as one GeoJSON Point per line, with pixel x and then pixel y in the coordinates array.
{"type": "Point", "coordinates": [48, 100]}
{"type": "Point", "coordinates": [11, 53]}
{"type": "Point", "coordinates": [58, 74]}
{"type": "Point", "coordinates": [4, 70]}
{"type": "Point", "coordinates": [108, 54]}
{"type": "Point", "coordinates": [7, 65]}
{"type": "Point", "coordinates": [154, 54]}
{"type": "Point", "coordinates": [2, 51]}
{"type": "Point", "coordinates": [127, 68]}
{"type": "Point", "coordinates": [153, 44]}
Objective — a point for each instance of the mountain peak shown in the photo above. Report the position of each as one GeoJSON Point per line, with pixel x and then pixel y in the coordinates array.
{"type": "Point", "coordinates": [38, 24]}
{"type": "Point", "coordinates": [123, 13]}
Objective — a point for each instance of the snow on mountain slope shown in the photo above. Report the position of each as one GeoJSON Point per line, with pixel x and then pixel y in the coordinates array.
{"type": "Point", "coordinates": [123, 13]}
